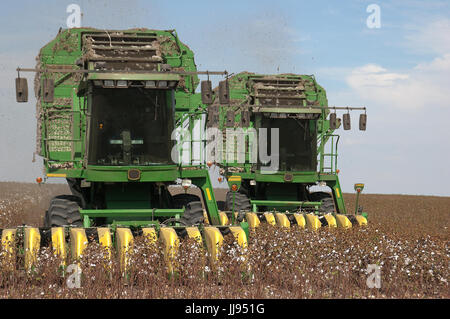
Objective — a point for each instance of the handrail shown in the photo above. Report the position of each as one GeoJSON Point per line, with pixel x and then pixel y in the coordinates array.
{"type": "Point", "coordinates": [333, 155]}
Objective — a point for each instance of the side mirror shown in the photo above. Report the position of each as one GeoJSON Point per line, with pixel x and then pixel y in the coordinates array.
{"type": "Point", "coordinates": [245, 118]}
{"type": "Point", "coordinates": [230, 119]}
{"type": "Point", "coordinates": [224, 92]}
{"type": "Point", "coordinates": [333, 121]}
{"type": "Point", "coordinates": [48, 90]}
{"type": "Point", "coordinates": [206, 92]}
{"type": "Point", "coordinates": [213, 115]}
{"type": "Point", "coordinates": [21, 90]}
{"type": "Point", "coordinates": [362, 122]}
{"type": "Point", "coordinates": [346, 119]}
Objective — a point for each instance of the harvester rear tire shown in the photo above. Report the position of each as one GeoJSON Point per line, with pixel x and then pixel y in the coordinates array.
{"type": "Point", "coordinates": [64, 210]}
{"type": "Point", "coordinates": [241, 204]}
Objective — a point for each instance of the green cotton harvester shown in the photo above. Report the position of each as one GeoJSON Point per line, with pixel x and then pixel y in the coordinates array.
{"type": "Point", "coordinates": [273, 137]}
{"type": "Point", "coordinates": [115, 111]}
{"type": "Point", "coordinates": [108, 104]}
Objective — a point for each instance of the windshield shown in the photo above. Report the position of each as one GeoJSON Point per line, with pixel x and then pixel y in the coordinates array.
{"type": "Point", "coordinates": [131, 126]}
{"type": "Point", "coordinates": [298, 143]}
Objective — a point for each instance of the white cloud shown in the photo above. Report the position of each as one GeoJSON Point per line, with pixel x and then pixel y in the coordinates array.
{"type": "Point", "coordinates": [433, 38]}
{"type": "Point", "coordinates": [408, 110]}
{"type": "Point", "coordinates": [439, 64]}
{"type": "Point", "coordinates": [426, 85]}
{"type": "Point", "coordinates": [372, 75]}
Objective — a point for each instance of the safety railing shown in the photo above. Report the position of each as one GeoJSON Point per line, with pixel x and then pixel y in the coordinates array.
{"type": "Point", "coordinates": [328, 156]}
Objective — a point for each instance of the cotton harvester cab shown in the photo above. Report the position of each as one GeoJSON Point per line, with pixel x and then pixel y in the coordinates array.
{"type": "Point", "coordinates": [108, 103]}
{"type": "Point", "coordinates": [274, 141]}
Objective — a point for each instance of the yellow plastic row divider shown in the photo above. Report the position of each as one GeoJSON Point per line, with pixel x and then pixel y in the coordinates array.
{"type": "Point", "coordinates": [270, 218]}
{"type": "Point", "coordinates": [310, 221]}
{"type": "Point", "coordinates": [124, 242]}
{"type": "Point", "coordinates": [343, 221]}
{"type": "Point", "coordinates": [282, 220]}
{"type": "Point", "coordinates": [223, 218]}
{"type": "Point", "coordinates": [32, 243]}
{"type": "Point", "coordinates": [171, 244]}
{"type": "Point", "coordinates": [8, 243]}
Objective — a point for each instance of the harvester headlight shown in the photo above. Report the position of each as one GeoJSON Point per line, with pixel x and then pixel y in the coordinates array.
{"type": "Point", "coordinates": [134, 174]}
{"type": "Point", "coordinates": [252, 182]}
{"type": "Point", "coordinates": [172, 84]}
{"type": "Point", "coordinates": [162, 84]}
{"type": "Point", "coordinates": [186, 183]}
{"type": "Point", "coordinates": [122, 84]}
{"type": "Point", "coordinates": [150, 84]}
{"type": "Point", "coordinates": [322, 184]}
{"type": "Point", "coordinates": [108, 83]}
{"type": "Point", "coordinates": [98, 83]}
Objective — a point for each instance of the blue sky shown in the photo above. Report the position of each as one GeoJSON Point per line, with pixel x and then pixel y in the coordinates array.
{"type": "Point", "coordinates": [400, 72]}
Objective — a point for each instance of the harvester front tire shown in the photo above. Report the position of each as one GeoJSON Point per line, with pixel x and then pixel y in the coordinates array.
{"type": "Point", "coordinates": [180, 200]}
{"type": "Point", "coordinates": [241, 204]}
{"type": "Point", "coordinates": [193, 214]}
{"type": "Point", "coordinates": [326, 199]}
{"type": "Point", "coordinates": [64, 210]}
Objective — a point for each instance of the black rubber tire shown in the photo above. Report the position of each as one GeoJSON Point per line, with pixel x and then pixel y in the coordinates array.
{"type": "Point", "coordinates": [180, 200]}
{"type": "Point", "coordinates": [193, 214]}
{"type": "Point", "coordinates": [64, 210]}
{"type": "Point", "coordinates": [241, 204]}
{"type": "Point", "coordinates": [326, 199]}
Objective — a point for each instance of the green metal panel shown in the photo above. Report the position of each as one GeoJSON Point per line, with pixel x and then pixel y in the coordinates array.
{"type": "Point", "coordinates": [131, 212]}
{"type": "Point", "coordinates": [337, 195]}
{"type": "Point", "coordinates": [120, 173]}
{"type": "Point", "coordinates": [204, 183]}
